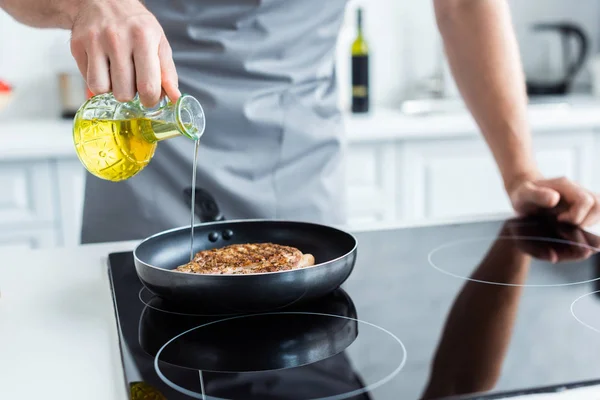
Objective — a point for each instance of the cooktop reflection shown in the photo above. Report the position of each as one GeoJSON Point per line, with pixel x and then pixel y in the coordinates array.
{"type": "Point", "coordinates": [481, 310]}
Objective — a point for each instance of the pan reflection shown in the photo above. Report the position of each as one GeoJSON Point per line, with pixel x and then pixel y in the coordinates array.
{"type": "Point", "coordinates": [250, 343]}
{"type": "Point", "coordinates": [298, 353]}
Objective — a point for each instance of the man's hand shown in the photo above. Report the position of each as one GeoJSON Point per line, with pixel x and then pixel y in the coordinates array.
{"type": "Point", "coordinates": [119, 46]}
{"type": "Point", "coordinates": [563, 198]}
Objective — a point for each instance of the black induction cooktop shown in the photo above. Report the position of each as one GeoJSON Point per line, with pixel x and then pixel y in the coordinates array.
{"type": "Point", "coordinates": [481, 310]}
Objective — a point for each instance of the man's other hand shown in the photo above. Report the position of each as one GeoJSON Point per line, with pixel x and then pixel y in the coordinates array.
{"type": "Point", "coordinates": [563, 198]}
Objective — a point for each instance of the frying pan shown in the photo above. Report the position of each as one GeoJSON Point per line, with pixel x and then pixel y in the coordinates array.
{"type": "Point", "coordinates": [157, 256]}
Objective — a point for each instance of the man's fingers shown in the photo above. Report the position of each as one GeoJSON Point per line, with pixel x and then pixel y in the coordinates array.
{"type": "Point", "coordinates": [147, 72]}
{"type": "Point", "coordinates": [579, 207]}
{"type": "Point", "coordinates": [80, 56]}
{"type": "Point", "coordinates": [147, 69]}
{"type": "Point", "coordinates": [578, 201]}
{"type": "Point", "coordinates": [530, 198]}
{"type": "Point", "coordinates": [124, 50]}
{"type": "Point", "coordinates": [542, 196]}
{"type": "Point", "coordinates": [170, 81]}
{"type": "Point", "coordinates": [122, 73]}
{"type": "Point", "coordinates": [593, 216]}
{"type": "Point", "coordinates": [97, 77]}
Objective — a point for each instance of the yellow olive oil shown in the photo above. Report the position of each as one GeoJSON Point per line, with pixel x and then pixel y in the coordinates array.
{"type": "Point", "coordinates": [118, 149]}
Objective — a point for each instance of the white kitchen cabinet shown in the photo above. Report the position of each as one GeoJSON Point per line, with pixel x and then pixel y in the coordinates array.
{"type": "Point", "coordinates": [448, 178]}
{"type": "Point", "coordinates": [370, 179]}
{"type": "Point", "coordinates": [71, 182]}
{"type": "Point", "coordinates": [28, 206]}
{"type": "Point", "coordinates": [453, 178]}
{"type": "Point", "coordinates": [24, 195]}
{"type": "Point", "coordinates": [40, 202]}
{"type": "Point", "coordinates": [419, 180]}
{"type": "Point", "coordinates": [33, 238]}
{"type": "Point", "coordinates": [569, 154]}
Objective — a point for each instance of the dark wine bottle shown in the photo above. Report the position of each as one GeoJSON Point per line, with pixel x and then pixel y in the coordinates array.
{"type": "Point", "coordinates": [360, 69]}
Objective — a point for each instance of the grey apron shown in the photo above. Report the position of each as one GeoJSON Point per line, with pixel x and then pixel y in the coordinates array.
{"type": "Point", "coordinates": [264, 73]}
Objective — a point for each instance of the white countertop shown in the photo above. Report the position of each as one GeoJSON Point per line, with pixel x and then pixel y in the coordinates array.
{"type": "Point", "coordinates": [58, 334]}
{"type": "Point", "coordinates": [386, 124]}
{"type": "Point", "coordinates": [52, 138]}
{"type": "Point", "coordinates": [58, 337]}
{"type": "Point", "coordinates": [451, 119]}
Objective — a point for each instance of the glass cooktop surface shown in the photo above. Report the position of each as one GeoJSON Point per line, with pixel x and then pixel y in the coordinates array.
{"type": "Point", "coordinates": [480, 310]}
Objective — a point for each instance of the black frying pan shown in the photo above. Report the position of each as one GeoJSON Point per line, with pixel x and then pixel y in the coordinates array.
{"type": "Point", "coordinates": [156, 257]}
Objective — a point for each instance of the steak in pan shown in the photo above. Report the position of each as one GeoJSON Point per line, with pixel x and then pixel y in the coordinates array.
{"type": "Point", "coordinates": [250, 258]}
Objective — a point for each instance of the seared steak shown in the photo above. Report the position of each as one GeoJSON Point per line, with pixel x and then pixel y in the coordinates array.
{"type": "Point", "coordinates": [248, 259]}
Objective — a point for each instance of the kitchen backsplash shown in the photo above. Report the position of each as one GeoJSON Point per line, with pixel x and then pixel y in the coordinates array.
{"type": "Point", "coordinates": [402, 36]}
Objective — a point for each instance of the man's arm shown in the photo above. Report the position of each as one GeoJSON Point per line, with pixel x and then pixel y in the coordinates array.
{"type": "Point", "coordinates": [484, 58]}
{"type": "Point", "coordinates": [43, 13]}
{"type": "Point", "coordinates": [119, 45]}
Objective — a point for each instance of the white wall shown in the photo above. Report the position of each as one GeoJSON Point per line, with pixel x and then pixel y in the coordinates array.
{"type": "Point", "coordinates": [30, 59]}
{"type": "Point", "coordinates": [402, 36]}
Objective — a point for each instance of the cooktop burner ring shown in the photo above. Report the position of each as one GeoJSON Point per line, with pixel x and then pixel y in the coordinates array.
{"type": "Point", "coordinates": [574, 314]}
{"type": "Point", "coordinates": [350, 394]}
{"type": "Point", "coordinates": [494, 238]}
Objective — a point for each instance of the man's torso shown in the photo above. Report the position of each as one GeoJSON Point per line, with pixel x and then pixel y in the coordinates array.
{"type": "Point", "coordinates": [264, 73]}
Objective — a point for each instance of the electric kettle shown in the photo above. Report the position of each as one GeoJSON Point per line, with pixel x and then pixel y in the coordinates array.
{"type": "Point", "coordinates": [572, 64]}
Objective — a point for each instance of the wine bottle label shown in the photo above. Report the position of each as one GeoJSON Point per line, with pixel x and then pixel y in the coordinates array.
{"type": "Point", "coordinates": [360, 83]}
{"type": "Point", "coordinates": [360, 76]}
{"type": "Point", "coordinates": [360, 91]}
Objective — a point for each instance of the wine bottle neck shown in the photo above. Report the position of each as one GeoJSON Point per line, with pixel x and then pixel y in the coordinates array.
{"type": "Point", "coordinates": [359, 21]}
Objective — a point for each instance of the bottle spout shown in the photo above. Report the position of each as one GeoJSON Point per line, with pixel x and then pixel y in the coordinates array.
{"type": "Point", "coordinates": [190, 117]}
{"type": "Point", "coordinates": [185, 117]}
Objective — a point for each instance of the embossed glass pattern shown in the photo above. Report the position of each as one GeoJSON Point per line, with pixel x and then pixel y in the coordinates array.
{"type": "Point", "coordinates": [115, 141]}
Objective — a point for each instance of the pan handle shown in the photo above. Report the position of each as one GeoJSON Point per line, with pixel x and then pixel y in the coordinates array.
{"type": "Point", "coordinates": [206, 209]}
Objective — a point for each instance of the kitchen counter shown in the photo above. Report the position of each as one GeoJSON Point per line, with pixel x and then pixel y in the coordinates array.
{"type": "Point", "coordinates": [386, 124]}
{"type": "Point", "coordinates": [58, 337]}
{"type": "Point", "coordinates": [36, 139]}
{"type": "Point", "coordinates": [52, 138]}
